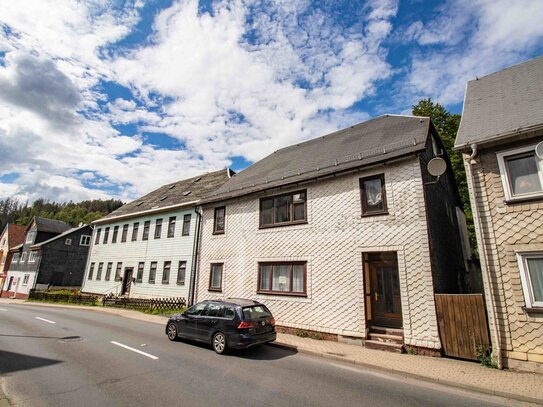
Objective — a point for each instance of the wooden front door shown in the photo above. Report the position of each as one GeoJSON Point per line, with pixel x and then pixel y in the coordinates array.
{"type": "Point", "coordinates": [127, 281]}
{"type": "Point", "coordinates": [386, 307]}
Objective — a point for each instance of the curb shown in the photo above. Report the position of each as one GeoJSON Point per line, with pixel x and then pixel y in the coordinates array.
{"type": "Point", "coordinates": [476, 389]}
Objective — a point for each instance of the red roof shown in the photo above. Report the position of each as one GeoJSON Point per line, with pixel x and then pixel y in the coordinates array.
{"type": "Point", "coordinates": [16, 234]}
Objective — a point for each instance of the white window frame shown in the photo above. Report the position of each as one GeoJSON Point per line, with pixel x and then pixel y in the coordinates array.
{"type": "Point", "coordinates": [502, 156]}
{"type": "Point", "coordinates": [85, 238]}
{"type": "Point", "coordinates": [23, 257]}
{"type": "Point", "coordinates": [33, 256]}
{"type": "Point", "coordinates": [30, 237]}
{"type": "Point", "coordinates": [68, 242]}
{"type": "Point", "coordinates": [16, 257]}
{"type": "Point", "coordinates": [525, 278]}
{"type": "Point", "coordinates": [25, 279]}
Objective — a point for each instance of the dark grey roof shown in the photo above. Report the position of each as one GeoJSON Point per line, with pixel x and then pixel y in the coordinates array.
{"type": "Point", "coordinates": [366, 143]}
{"type": "Point", "coordinates": [502, 104]}
{"type": "Point", "coordinates": [50, 225]}
{"type": "Point", "coordinates": [68, 232]}
{"type": "Point", "coordinates": [177, 193]}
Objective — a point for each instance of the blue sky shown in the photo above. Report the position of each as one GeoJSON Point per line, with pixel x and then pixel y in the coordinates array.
{"type": "Point", "coordinates": [104, 99]}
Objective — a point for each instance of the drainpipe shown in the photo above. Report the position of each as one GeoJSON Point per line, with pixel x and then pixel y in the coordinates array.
{"type": "Point", "coordinates": [195, 251]}
{"type": "Point", "coordinates": [496, 345]}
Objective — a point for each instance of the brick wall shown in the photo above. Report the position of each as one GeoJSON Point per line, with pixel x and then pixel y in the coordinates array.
{"type": "Point", "coordinates": [332, 243]}
{"type": "Point", "coordinates": [507, 228]}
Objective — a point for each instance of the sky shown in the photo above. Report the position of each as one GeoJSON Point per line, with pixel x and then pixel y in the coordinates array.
{"type": "Point", "coordinates": [112, 99]}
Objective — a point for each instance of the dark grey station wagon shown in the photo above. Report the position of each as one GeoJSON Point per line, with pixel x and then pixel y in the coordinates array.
{"type": "Point", "coordinates": [230, 324]}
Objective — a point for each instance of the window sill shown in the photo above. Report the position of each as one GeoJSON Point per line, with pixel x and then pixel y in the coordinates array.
{"type": "Point", "coordinates": [283, 293]}
{"type": "Point", "coordinates": [151, 282]}
{"type": "Point", "coordinates": [180, 283]}
{"type": "Point", "coordinates": [279, 225]}
{"type": "Point", "coordinates": [523, 199]}
{"type": "Point", "coordinates": [217, 290]}
{"type": "Point", "coordinates": [217, 233]}
{"type": "Point", "coordinates": [533, 310]}
{"type": "Point", "coordinates": [165, 282]}
{"type": "Point", "coordinates": [369, 215]}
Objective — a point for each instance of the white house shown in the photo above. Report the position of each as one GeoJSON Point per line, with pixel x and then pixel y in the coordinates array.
{"type": "Point", "coordinates": [146, 248]}
{"type": "Point", "coordinates": [347, 235]}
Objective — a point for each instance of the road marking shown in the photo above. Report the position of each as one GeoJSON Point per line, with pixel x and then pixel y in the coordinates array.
{"type": "Point", "coordinates": [45, 320]}
{"type": "Point", "coordinates": [135, 350]}
{"type": "Point", "coordinates": [2, 309]}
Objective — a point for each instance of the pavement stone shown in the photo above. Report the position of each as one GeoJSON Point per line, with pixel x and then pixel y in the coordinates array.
{"type": "Point", "coordinates": [521, 386]}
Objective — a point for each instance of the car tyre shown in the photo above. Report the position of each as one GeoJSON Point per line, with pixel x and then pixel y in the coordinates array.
{"type": "Point", "coordinates": [219, 343]}
{"type": "Point", "coordinates": [172, 332]}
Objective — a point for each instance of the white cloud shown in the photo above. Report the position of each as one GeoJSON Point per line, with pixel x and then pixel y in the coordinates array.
{"type": "Point", "coordinates": [249, 78]}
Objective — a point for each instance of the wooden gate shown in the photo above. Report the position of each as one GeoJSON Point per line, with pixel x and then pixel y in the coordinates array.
{"type": "Point", "coordinates": [463, 326]}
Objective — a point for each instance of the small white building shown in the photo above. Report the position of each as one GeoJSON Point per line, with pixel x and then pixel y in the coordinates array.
{"type": "Point", "coordinates": [146, 248]}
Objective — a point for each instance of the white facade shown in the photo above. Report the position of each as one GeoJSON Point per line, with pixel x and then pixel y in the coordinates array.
{"type": "Point", "coordinates": [4, 248]}
{"type": "Point", "coordinates": [21, 282]}
{"type": "Point", "coordinates": [129, 254]}
{"type": "Point", "coordinates": [332, 243]}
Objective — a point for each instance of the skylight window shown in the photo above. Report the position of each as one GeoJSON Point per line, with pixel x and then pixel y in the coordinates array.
{"type": "Point", "coordinates": [197, 179]}
{"type": "Point", "coordinates": [172, 186]}
{"type": "Point", "coordinates": [186, 193]}
{"type": "Point", "coordinates": [140, 203]}
{"type": "Point", "coordinates": [163, 198]}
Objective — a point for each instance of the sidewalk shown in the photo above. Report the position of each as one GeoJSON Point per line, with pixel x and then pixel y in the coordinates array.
{"type": "Point", "coordinates": [466, 375]}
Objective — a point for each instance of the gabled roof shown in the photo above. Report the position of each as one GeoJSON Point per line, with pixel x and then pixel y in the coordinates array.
{"type": "Point", "coordinates": [377, 140]}
{"type": "Point", "coordinates": [68, 232]}
{"type": "Point", "coordinates": [50, 225]}
{"type": "Point", "coordinates": [502, 104]}
{"type": "Point", "coordinates": [180, 193]}
{"type": "Point", "coordinates": [16, 234]}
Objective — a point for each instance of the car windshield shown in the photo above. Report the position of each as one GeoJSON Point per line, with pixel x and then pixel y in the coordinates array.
{"type": "Point", "coordinates": [255, 312]}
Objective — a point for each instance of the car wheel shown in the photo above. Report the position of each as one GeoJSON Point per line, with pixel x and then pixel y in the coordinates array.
{"type": "Point", "coordinates": [219, 343]}
{"type": "Point", "coordinates": [172, 332]}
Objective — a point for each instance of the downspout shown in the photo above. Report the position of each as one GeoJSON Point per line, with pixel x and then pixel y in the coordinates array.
{"type": "Point", "coordinates": [87, 262]}
{"type": "Point", "coordinates": [195, 251]}
{"type": "Point", "coordinates": [42, 251]}
{"type": "Point", "coordinates": [496, 345]}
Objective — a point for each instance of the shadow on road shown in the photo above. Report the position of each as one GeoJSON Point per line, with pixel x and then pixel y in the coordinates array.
{"type": "Point", "coordinates": [12, 362]}
{"type": "Point", "coordinates": [30, 336]}
{"type": "Point", "coordinates": [263, 352]}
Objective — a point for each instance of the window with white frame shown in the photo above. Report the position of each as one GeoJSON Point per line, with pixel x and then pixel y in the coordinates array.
{"type": "Point", "coordinates": [85, 240]}
{"type": "Point", "coordinates": [33, 256]}
{"type": "Point", "coordinates": [531, 275]}
{"type": "Point", "coordinates": [16, 258]}
{"type": "Point", "coordinates": [521, 173]}
{"type": "Point", "coordinates": [30, 237]}
{"type": "Point", "coordinates": [23, 257]}
{"type": "Point", "coordinates": [68, 242]}
{"type": "Point", "coordinates": [25, 279]}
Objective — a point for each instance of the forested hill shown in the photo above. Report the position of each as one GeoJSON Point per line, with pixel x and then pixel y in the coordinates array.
{"type": "Point", "coordinates": [14, 211]}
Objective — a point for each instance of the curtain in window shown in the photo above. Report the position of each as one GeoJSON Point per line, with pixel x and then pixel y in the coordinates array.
{"type": "Point", "coordinates": [298, 278]}
{"type": "Point", "coordinates": [282, 209]}
{"type": "Point", "coordinates": [265, 277]}
{"type": "Point", "coordinates": [523, 175]}
{"type": "Point", "coordinates": [374, 196]}
{"type": "Point", "coordinates": [535, 268]}
{"type": "Point", "coordinates": [281, 280]}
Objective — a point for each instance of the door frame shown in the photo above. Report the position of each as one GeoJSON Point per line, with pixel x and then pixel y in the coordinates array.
{"type": "Point", "coordinates": [388, 320]}
{"type": "Point", "coordinates": [127, 280]}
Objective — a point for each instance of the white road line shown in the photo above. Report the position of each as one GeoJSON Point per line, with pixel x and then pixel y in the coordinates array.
{"type": "Point", "coordinates": [135, 350]}
{"type": "Point", "coordinates": [45, 320]}
{"type": "Point", "coordinates": [2, 309]}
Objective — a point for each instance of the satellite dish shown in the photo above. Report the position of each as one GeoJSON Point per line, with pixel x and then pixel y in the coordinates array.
{"type": "Point", "coordinates": [437, 166]}
{"type": "Point", "coordinates": [539, 150]}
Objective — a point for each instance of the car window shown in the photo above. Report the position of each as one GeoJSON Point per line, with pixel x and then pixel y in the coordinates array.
{"type": "Point", "coordinates": [196, 309]}
{"type": "Point", "coordinates": [213, 310]}
{"type": "Point", "coordinates": [229, 313]}
{"type": "Point", "coordinates": [255, 312]}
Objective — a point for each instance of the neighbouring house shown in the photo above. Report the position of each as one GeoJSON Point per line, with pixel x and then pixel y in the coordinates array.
{"type": "Point", "coordinates": [25, 265]}
{"type": "Point", "coordinates": [12, 235]}
{"type": "Point", "coordinates": [500, 136]}
{"type": "Point", "coordinates": [347, 235]}
{"type": "Point", "coordinates": [146, 248]}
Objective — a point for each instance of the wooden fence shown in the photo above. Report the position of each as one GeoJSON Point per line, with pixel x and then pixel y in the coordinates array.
{"type": "Point", "coordinates": [463, 327]}
{"type": "Point", "coordinates": [141, 304]}
{"type": "Point", "coordinates": [71, 298]}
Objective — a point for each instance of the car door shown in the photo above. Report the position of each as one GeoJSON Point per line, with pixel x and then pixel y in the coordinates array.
{"type": "Point", "coordinates": [208, 322]}
{"type": "Point", "coordinates": [187, 324]}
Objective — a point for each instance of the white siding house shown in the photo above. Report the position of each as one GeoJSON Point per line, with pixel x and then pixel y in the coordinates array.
{"type": "Point", "coordinates": [145, 249]}
{"type": "Point", "coordinates": [333, 235]}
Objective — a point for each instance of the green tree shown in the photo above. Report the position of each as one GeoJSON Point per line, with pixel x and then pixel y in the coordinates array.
{"type": "Point", "coordinates": [446, 125]}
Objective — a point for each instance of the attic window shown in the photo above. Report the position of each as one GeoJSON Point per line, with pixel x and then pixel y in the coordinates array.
{"type": "Point", "coordinates": [186, 193]}
{"type": "Point", "coordinates": [163, 198]}
{"type": "Point", "coordinates": [197, 179]}
{"type": "Point", "coordinates": [140, 203]}
{"type": "Point", "coordinates": [172, 187]}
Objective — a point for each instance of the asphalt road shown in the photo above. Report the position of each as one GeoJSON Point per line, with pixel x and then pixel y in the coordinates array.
{"type": "Point", "coordinates": [70, 357]}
